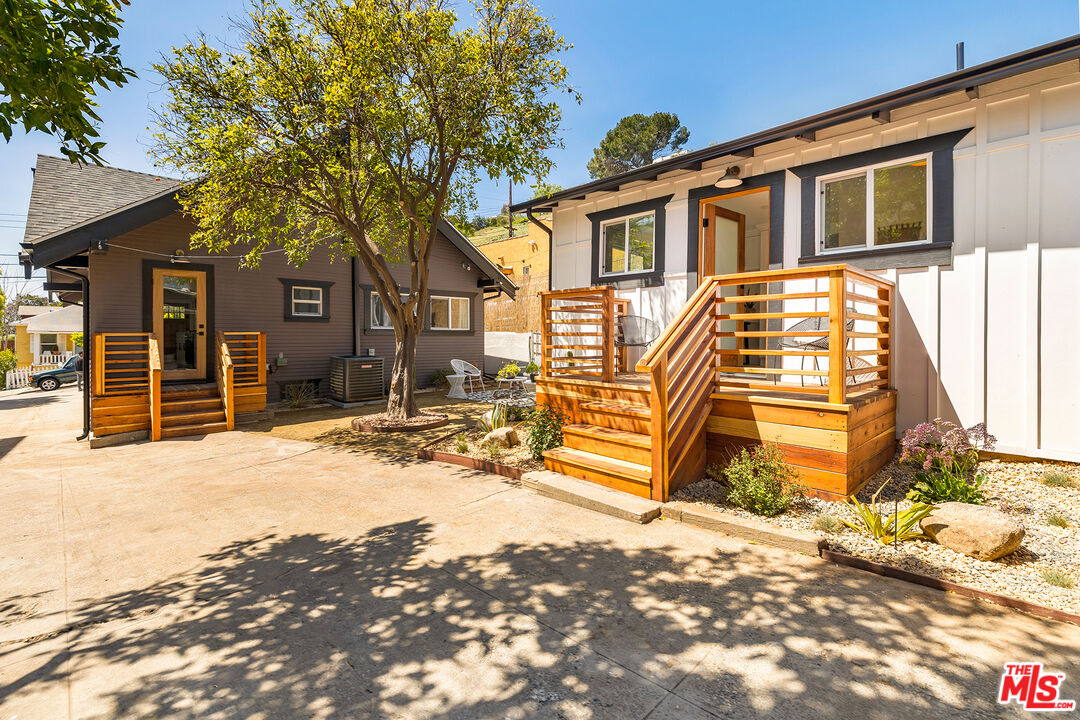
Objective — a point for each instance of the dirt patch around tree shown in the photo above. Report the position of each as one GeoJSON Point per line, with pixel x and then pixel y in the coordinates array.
{"type": "Point", "coordinates": [1015, 488]}
{"type": "Point", "coordinates": [382, 423]}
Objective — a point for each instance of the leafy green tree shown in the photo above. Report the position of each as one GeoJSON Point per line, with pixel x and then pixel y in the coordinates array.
{"type": "Point", "coordinates": [357, 125]}
{"type": "Point", "coordinates": [52, 55]}
{"type": "Point", "coordinates": [635, 141]}
{"type": "Point", "coordinates": [543, 189]}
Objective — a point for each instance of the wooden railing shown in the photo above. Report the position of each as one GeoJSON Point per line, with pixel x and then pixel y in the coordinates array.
{"type": "Point", "coordinates": [769, 323]}
{"type": "Point", "coordinates": [681, 368]}
{"type": "Point", "coordinates": [578, 333]}
{"type": "Point", "coordinates": [248, 353]}
{"type": "Point", "coordinates": [121, 364]}
{"type": "Point", "coordinates": [154, 361]}
{"type": "Point", "coordinates": [225, 379]}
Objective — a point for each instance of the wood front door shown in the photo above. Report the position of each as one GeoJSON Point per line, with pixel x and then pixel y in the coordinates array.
{"type": "Point", "coordinates": [179, 312]}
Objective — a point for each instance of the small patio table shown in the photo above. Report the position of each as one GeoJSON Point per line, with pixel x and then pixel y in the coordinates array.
{"type": "Point", "coordinates": [457, 387]}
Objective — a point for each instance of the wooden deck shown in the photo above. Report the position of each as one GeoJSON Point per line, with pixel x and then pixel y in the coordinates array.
{"type": "Point", "coordinates": [695, 398]}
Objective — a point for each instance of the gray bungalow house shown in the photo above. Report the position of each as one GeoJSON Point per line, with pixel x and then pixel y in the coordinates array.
{"type": "Point", "coordinates": [174, 322]}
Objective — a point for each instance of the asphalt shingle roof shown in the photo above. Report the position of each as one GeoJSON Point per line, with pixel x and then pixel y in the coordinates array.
{"type": "Point", "coordinates": [66, 194]}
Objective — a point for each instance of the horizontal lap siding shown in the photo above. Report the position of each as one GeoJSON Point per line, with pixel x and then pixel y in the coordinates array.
{"type": "Point", "coordinates": [244, 299]}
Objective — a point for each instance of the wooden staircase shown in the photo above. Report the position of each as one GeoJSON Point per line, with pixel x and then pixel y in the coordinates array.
{"type": "Point", "coordinates": [611, 447]}
{"type": "Point", "coordinates": [192, 409]}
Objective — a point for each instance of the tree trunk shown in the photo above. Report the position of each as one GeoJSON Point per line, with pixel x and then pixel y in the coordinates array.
{"type": "Point", "coordinates": [401, 403]}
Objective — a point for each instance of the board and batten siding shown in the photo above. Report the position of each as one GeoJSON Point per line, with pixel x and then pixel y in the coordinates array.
{"type": "Point", "coordinates": [991, 335]}
{"type": "Point", "coordinates": [254, 300]}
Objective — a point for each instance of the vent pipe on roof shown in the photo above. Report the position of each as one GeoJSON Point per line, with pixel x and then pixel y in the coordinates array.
{"type": "Point", "coordinates": [959, 56]}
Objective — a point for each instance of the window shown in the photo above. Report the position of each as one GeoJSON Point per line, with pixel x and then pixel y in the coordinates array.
{"type": "Point", "coordinates": [450, 313]}
{"type": "Point", "coordinates": [627, 244]}
{"type": "Point", "coordinates": [880, 205]}
{"type": "Point", "coordinates": [307, 301]}
{"type": "Point", "coordinates": [48, 344]}
{"type": "Point", "coordinates": [380, 319]}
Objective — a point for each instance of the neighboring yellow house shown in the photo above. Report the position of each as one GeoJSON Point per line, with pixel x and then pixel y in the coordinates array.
{"type": "Point", "coordinates": [44, 333]}
{"type": "Point", "coordinates": [525, 260]}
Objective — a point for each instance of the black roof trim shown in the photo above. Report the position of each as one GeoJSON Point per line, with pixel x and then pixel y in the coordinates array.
{"type": "Point", "coordinates": [1025, 61]}
{"type": "Point", "coordinates": [478, 258]}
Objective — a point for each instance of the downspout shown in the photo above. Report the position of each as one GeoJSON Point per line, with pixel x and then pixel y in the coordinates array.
{"type": "Point", "coordinates": [536, 221]}
{"type": "Point", "coordinates": [355, 333]}
{"type": "Point", "coordinates": [87, 376]}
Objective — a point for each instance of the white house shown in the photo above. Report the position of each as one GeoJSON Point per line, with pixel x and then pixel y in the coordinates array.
{"type": "Point", "coordinates": [964, 190]}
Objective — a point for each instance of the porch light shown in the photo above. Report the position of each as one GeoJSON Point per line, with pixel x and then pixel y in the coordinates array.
{"type": "Point", "coordinates": [730, 178]}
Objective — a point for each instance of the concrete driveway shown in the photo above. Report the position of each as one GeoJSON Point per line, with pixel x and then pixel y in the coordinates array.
{"type": "Point", "coordinates": [245, 576]}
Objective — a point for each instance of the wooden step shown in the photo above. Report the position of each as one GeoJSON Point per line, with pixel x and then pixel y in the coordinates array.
{"type": "Point", "coordinates": [199, 429]}
{"type": "Point", "coordinates": [175, 395]}
{"type": "Point", "coordinates": [610, 472]}
{"type": "Point", "coordinates": [172, 407]}
{"type": "Point", "coordinates": [195, 418]}
{"type": "Point", "coordinates": [616, 414]}
{"type": "Point", "coordinates": [609, 442]}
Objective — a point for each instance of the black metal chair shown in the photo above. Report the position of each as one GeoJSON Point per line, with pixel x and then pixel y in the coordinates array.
{"type": "Point", "coordinates": [814, 324]}
{"type": "Point", "coordinates": [635, 331]}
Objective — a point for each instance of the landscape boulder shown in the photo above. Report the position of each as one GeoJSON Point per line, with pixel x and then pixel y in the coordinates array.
{"type": "Point", "coordinates": [975, 530]}
{"type": "Point", "coordinates": [503, 437]}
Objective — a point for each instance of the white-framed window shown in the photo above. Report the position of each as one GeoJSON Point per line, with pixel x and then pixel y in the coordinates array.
{"type": "Point", "coordinates": [380, 319]}
{"type": "Point", "coordinates": [307, 301]}
{"type": "Point", "coordinates": [627, 244]}
{"type": "Point", "coordinates": [450, 313]}
{"type": "Point", "coordinates": [883, 205]}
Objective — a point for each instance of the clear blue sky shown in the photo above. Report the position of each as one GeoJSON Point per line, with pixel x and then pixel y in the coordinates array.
{"type": "Point", "coordinates": [726, 68]}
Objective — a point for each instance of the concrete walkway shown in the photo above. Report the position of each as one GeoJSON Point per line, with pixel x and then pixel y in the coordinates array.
{"type": "Point", "coordinates": [244, 576]}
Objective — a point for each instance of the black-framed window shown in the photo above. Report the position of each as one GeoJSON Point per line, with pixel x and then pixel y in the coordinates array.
{"type": "Point", "coordinates": [628, 243]}
{"type": "Point", "coordinates": [881, 205]}
{"type": "Point", "coordinates": [306, 300]}
{"type": "Point", "coordinates": [378, 318]}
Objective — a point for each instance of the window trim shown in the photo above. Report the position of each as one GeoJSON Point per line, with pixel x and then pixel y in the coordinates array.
{"type": "Point", "coordinates": [625, 222]}
{"type": "Point", "coordinates": [373, 295]}
{"type": "Point", "coordinates": [306, 301]}
{"type": "Point", "coordinates": [646, 278]}
{"type": "Point", "coordinates": [867, 171]}
{"type": "Point", "coordinates": [324, 304]}
{"type": "Point", "coordinates": [449, 315]}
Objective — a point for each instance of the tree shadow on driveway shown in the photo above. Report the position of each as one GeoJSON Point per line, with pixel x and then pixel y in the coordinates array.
{"type": "Point", "coordinates": [377, 626]}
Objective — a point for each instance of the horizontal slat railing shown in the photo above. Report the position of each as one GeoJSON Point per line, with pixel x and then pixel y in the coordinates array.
{"type": "Point", "coordinates": [681, 380]}
{"type": "Point", "coordinates": [247, 351]}
{"type": "Point", "coordinates": [769, 323]}
{"type": "Point", "coordinates": [578, 333]}
{"type": "Point", "coordinates": [121, 364]}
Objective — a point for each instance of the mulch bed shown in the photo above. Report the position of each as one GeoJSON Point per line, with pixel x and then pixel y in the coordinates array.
{"type": "Point", "coordinates": [380, 423]}
{"type": "Point", "coordinates": [1015, 488]}
{"type": "Point", "coordinates": [509, 462]}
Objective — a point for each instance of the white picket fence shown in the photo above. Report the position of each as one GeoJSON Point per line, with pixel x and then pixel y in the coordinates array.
{"type": "Point", "coordinates": [20, 377]}
{"type": "Point", "coordinates": [57, 359]}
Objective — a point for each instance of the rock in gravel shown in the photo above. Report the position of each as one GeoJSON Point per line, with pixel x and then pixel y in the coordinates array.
{"type": "Point", "coordinates": [503, 437]}
{"type": "Point", "coordinates": [976, 530]}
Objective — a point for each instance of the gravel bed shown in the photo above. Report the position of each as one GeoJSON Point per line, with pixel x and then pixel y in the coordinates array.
{"type": "Point", "coordinates": [382, 421]}
{"type": "Point", "coordinates": [1015, 488]}
{"type": "Point", "coordinates": [517, 456]}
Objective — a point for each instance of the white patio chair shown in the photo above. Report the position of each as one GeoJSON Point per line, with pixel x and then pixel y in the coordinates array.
{"type": "Point", "coordinates": [471, 372]}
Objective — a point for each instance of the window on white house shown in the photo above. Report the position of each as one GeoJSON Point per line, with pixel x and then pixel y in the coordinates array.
{"type": "Point", "coordinates": [627, 244]}
{"type": "Point", "coordinates": [307, 301]}
{"type": "Point", "coordinates": [450, 313]}
{"type": "Point", "coordinates": [876, 206]}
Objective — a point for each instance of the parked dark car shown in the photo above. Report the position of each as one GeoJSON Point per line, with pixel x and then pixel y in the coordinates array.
{"type": "Point", "coordinates": [52, 379]}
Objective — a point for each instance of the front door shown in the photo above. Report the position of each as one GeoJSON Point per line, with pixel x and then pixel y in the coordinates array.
{"type": "Point", "coordinates": [179, 313]}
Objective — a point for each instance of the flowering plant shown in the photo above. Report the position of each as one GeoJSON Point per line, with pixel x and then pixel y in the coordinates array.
{"type": "Point", "coordinates": [944, 445]}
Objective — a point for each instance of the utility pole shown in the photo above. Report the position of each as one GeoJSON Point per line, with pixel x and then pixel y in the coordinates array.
{"type": "Point", "coordinates": [509, 212]}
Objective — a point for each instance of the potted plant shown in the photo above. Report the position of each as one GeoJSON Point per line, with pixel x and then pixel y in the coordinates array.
{"type": "Point", "coordinates": [532, 370]}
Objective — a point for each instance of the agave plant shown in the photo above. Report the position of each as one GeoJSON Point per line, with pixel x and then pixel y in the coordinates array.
{"type": "Point", "coordinates": [875, 519]}
{"type": "Point", "coordinates": [496, 417]}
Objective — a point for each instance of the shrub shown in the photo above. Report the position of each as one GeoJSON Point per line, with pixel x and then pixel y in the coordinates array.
{"type": "Point", "coordinates": [1057, 578]}
{"type": "Point", "coordinates": [8, 361]}
{"type": "Point", "coordinates": [827, 523]}
{"type": "Point", "coordinates": [942, 444]}
{"type": "Point", "coordinates": [1057, 520]}
{"type": "Point", "coordinates": [759, 480]}
{"type": "Point", "coordinates": [461, 444]}
{"type": "Point", "coordinates": [299, 395]}
{"type": "Point", "coordinates": [77, 340]}
{"type": "Point", "coordinates": [494, 450]}
{"type": "Point", "coordinates": [509, 370]}
{"type": "Point", "coordinates": [887, 525]}
{"type": "Point", "coordinates": [438, 377]}
{"type": "Point", "coordinates": [1057, 478]}
{"type": "Point", "coordinates": [494, 418]}
{"type": "Point", "coordinates": [545, 430]}
{"type": "Point", "coordinates": [947, 484]}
